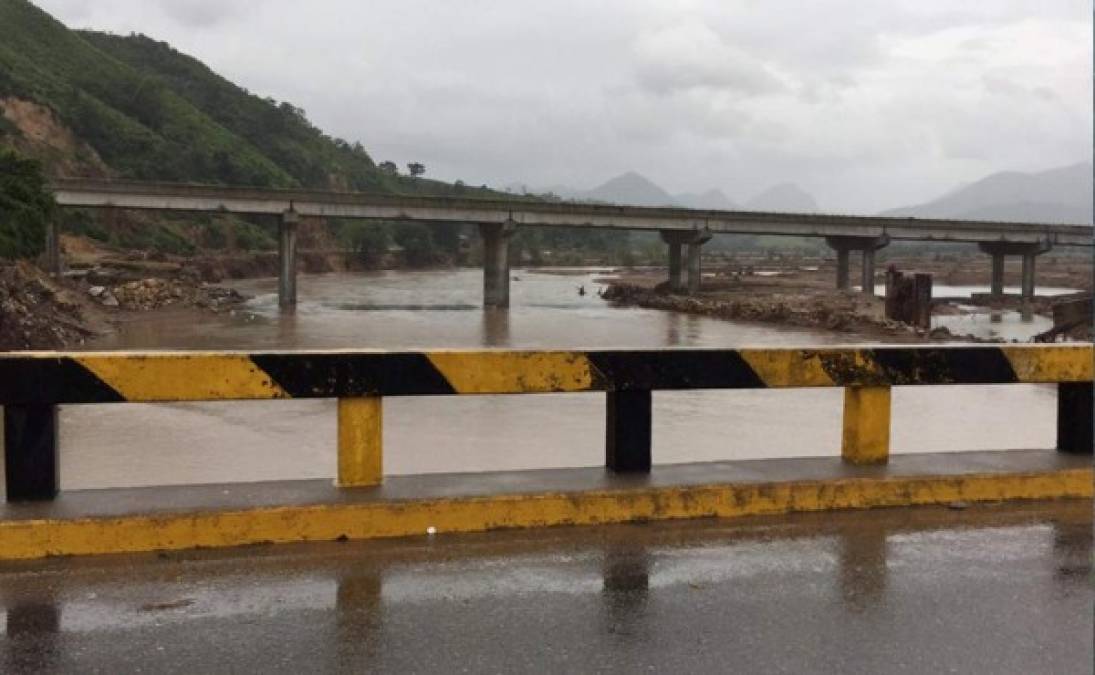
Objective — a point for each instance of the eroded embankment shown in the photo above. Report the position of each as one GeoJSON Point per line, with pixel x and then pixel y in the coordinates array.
{"type": "Point", "coordinates": [836, 311]}
{"type": "Point", "coordinates": [39, 312]}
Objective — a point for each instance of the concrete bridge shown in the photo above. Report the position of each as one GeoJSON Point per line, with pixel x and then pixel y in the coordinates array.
{"type": "Point", "coordinates": [683, 230]}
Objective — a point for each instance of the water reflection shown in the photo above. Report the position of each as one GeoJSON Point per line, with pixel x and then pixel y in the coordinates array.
{"type": "Point", "coordinates": [358, 617]}
{"type": "Point", "coordinates": [404, 606]}
{"type": "Point", "coordinates": [625, 584]}
{"type": "Point", "coordinates": [863, 568]}
{"type": "Point", "coordinates": [33, 636]}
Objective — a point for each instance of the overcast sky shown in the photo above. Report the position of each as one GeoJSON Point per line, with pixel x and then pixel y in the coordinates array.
{"type": "Point", "coordinates": [867, 104]}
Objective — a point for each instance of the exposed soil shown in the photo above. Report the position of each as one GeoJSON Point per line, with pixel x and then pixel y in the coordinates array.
{"type": "Point", "coordinates": [39, 312]}
{"type": "Point", "coordinates": [800, 292]}
{"type": "Point", "coordinates": [44, 136]}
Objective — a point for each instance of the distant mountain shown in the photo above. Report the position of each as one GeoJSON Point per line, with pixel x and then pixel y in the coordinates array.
{"type": "Point", "coordinates": [629, 188]}
{"type": "Point", "coordinates": [1061, 195]}
{"type": "Point", "coordinates": [712, 200]}
{"type": "Point", "coordinates": [634, 189]}
{"type": "Point", "coordinates": [786, 197]}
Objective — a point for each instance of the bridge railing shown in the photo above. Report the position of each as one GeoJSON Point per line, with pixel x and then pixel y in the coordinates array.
{"type": "Point", "coordinates": [33, 384]}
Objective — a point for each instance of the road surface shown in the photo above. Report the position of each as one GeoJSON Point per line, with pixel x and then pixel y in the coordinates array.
{"type": "Point", "coordinates": [993, 589]}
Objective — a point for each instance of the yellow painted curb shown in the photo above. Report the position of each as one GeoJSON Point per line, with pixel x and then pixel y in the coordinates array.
{"type": "Point", "coordinates": [24, 539]}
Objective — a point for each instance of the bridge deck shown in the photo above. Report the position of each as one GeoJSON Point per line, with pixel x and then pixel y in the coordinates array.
{"type": "Point", "coordinates": [1001, 589]}
{"type": "Point", "coordinates": [210, 198]}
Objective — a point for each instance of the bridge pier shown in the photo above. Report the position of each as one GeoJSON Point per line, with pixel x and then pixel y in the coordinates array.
{"type": "Point", "coordinates": [287, 260]}
{"type": "Point", "coordinates": [53, 249]}
{"type": "Point", "coordinates": [1028, 251]}
{"type": "Point", "coordinates": [496, 263]}
{"type": "Point", "coordinates": [996, 286]}
{"type": "Point", "coordinates": [677, 240]}
{"type": "Point", "coordinates": [844, 245]}
{"type": "Point", "coordinates": [675, 264]}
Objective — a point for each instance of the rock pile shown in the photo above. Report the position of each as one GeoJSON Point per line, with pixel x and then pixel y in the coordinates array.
{"type": "Point", "coordinates": [154, 293]}
{"type": "Point", "coordinates": [840, 312]}
{"type": "Point", "coordinates": [35, 313]}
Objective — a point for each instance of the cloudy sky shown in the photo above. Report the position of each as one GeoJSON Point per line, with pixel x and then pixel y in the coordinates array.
{"type": "Point", "coordinates": [866, 104]}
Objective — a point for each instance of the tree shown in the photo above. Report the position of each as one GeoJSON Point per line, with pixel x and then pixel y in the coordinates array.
{"type": "Point", "coordinates": [389, 167]}
{"type": "Point", "coordinates": [416, 169]}
{"type": "Point", "coordinates": [419, 248]}
{"type": "Point", "coordinates": [25, 206]}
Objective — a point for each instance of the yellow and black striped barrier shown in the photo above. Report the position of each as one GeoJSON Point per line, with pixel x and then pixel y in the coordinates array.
{"type": "Point", "coordinates": [32, 384]}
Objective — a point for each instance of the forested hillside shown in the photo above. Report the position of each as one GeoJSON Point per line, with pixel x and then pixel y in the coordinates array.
{"type": "Point", "coordinates": [85, 103]}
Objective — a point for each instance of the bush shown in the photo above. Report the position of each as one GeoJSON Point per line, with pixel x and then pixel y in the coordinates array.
{"type": "Point", "coordinates": [368, 240]}
{"type": "Point", "coordinates": [419, 247]}
{"type": "Point", "coordinates": [25, 207]}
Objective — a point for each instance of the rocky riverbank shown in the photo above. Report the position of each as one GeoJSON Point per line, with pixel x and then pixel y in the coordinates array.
{"type": "Point", "coordinates": [39, 312]}
{"type": "Point", "coordinates": [851, 313]}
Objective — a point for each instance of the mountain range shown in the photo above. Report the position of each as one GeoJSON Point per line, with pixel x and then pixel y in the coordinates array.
{"type": "Point", "coordinates": [1059, 195]}
{"type": "Point", "coordinates": [634, 189]}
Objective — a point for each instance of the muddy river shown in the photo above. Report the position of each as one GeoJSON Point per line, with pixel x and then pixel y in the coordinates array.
{"type": "Point", "coordinates": [139, 444]}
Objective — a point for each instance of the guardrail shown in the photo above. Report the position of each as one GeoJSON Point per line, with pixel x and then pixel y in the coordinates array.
{"type": "Point", "coordinates": [33, 384]}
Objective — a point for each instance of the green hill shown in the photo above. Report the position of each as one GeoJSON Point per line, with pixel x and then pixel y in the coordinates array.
{"type": "Point", "coordinates": [151, 112]}
{"type": "Point", "coordinates": [91, 103]}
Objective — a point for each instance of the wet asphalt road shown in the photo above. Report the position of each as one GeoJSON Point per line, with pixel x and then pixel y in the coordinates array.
{"type": "Point", "coordinates": [997, 589]}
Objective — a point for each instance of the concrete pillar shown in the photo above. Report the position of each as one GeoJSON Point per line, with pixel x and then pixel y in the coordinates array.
{"type": "Point", "coordinates": [866, 438]}
{"type": "Point", "coordinates": [360, 441]}
{"type": "Point", "coordinates": [997, 287]}
{"type": "Point", "coordinates": [694, 240]}
{"type": "Point", "coordinates": [1028, 275]}
{"type": "Point", "coordinates": [677, 239]}
{"type": "Point", "coordinates": [867, 282]}
{"type": "Point", "coordinates": [844, 245]}
{"type": "Point", "coordinates": [287, 260]}
{"type": "Point", "coordinates": [694, 271]}
{"type": "Point", "coordinates": [53, 249]}
{"type": "Point", "coordinates": [1029, 250]}
{"type": "Point", "coordinates": [843, 269]}
{"type": "Point", "coordinates": [675, 284]}
{"type": "Point", "coordinates": [496, 263]}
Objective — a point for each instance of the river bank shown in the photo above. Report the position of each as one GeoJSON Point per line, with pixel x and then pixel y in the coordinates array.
{"type": "Point", "coordinates": [105, 288]}
{"type": "Point", "coordinates": [799, 292]}
{"type": "Point", "coordinates": [40, 312]}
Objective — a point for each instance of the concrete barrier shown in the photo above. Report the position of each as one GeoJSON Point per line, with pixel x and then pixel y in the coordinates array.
{"type": "Point", "coordinates": [33, 384]}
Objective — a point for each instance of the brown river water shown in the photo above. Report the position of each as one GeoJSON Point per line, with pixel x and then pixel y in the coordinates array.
{"type": "Point", "coordinates": [149, 444]}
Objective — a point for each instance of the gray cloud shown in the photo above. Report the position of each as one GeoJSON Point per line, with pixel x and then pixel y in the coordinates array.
{"type": "Point", "coordinates": [866, 104]}
{"type": "Point", "coordinates": [200, 13]}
